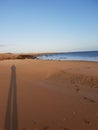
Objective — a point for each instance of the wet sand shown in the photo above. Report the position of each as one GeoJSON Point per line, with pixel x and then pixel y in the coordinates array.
{"type": "Point", "coordinates": [48, 95]}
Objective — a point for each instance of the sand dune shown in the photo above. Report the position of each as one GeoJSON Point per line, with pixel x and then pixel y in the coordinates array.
{"type": "Point", "coordinates": [48, 95]}
{"type": "Point", "coordinates": [10, 56]}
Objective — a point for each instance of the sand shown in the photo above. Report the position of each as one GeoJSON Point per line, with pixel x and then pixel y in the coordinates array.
{"type": "Point", "coordinates": [48, 95]}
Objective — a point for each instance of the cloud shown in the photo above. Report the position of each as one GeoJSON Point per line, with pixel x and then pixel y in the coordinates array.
{"type": "Point", "coordinates": [2, 45]}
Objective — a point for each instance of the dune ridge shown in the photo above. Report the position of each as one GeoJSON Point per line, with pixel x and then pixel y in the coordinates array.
{"type": "Point", "coordinates": [10, 56]}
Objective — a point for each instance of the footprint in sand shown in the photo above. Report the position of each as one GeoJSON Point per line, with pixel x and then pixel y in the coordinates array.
{"type": "Point", "coordinates": [23, 128]}
{"type": "Point", "coordinates": [46, 128]}
{"type": "Point", "coordinates": [77, 89]}
{"type": "Point", "coordinates": [96, 87]}
{"type": "Point", "coordinates": [65, 128]}
{"type": "Point", "coordinates": [88, 99]}
{"type": "Point", "coordinates": [34, 122]}
{"type": "Point", "coordinates": [87, 122]}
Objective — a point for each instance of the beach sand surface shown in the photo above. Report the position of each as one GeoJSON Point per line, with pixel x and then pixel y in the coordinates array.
{"type": "Point", "coordinates": [48, 95]}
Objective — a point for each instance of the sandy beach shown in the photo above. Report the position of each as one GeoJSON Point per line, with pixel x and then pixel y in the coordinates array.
{"type": "Point", "coordinates": [48, 95]}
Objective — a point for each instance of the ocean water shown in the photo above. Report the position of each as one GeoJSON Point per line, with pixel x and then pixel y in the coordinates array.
{"type": "Point", "coordinates": [80, 56]}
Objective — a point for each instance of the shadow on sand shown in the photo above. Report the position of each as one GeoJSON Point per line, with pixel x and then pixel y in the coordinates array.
{"type": "Point", "coordinates": [11, 119]}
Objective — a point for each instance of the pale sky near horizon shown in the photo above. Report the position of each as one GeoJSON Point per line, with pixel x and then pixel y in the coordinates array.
{"type": "Point", "coordinates": [48, 25]}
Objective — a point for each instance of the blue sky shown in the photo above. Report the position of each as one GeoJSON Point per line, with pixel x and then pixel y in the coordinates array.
{"type": "Point", "coordinates": [48, 25]}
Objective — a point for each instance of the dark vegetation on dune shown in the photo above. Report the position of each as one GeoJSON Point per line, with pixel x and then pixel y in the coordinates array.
{"type": "Point", "coordinates": [9, 56]}
{"type": "Point", "coordinates": [26, 57]}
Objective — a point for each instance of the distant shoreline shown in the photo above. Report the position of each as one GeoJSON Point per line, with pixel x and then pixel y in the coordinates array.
{"type": "Point", "coordinates": [13, 56]}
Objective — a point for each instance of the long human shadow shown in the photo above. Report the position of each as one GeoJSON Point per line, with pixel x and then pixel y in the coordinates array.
{"type": "Point", "coordinates": [11, 116]}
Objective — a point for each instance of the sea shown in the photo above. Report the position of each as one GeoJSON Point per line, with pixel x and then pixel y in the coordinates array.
{"type": "Point", "coordinates": [77, 56]}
